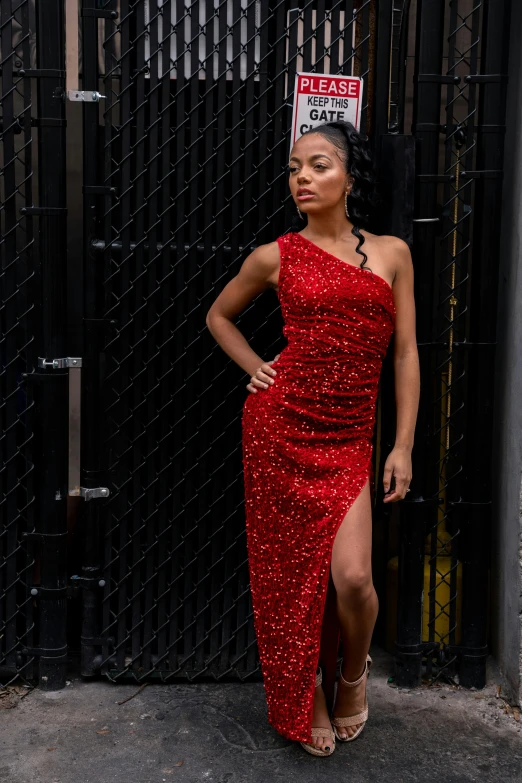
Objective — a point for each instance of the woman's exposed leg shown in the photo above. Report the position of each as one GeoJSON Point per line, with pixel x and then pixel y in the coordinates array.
{"type": "Point", "coordinates": [357, 607]}
{"type": "Point", "coordinates": [357, 602]}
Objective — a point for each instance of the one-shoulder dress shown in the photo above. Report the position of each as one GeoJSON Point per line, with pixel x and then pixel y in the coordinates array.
{"type": "Point", "coordinates": [307, 454]}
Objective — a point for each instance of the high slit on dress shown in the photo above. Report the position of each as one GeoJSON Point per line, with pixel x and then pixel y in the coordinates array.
{"type": "Point", "coordinates": [307, 454]}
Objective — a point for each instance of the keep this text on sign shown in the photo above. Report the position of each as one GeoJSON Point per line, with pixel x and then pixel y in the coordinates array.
{"type": "Point", "coordinates": [319, 98]}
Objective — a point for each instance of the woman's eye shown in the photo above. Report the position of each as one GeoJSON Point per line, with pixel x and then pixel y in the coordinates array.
{"type": "Point", "coordinates": [292, 169]}
{"type": "Point", "coordinates": [319, 166]}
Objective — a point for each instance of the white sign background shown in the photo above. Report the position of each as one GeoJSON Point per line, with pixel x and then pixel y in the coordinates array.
{"type": "Point", "coordinates": [322, 98]}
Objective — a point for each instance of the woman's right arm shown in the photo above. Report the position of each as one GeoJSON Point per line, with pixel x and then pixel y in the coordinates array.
{"type": "Point", "coordinates": [257, 273]}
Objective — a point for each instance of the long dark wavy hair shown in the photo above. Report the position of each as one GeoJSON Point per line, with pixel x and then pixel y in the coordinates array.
{"type": "Point", "coordinates": [355, 154]}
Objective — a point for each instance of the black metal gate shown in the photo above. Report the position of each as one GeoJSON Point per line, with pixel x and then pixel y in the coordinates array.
{"type": "Point", "coordinates": [194, 130]}
{"type": "Point", "coordinates": [184, 174]}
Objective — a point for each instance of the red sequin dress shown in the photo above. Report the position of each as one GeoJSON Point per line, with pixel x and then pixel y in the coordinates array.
{"type": "Point", "coordinates": [307, 453]}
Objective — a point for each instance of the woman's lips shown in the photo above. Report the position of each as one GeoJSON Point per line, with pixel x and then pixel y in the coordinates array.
{"type": "Point", "coordinates": [306, 196]}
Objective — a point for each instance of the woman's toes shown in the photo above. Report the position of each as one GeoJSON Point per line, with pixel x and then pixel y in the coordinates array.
{"type": "Point", "coordinates": [348, 732]}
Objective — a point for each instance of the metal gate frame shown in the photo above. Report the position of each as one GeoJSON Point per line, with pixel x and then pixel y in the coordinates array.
{"type": "Point", "coordinates": [33, 407]}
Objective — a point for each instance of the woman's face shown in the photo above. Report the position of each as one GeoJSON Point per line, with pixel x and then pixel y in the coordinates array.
{"type": "Point", "coordinates": [318, 178]}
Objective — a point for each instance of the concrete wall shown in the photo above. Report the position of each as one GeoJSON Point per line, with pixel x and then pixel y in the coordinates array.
{"type": "Point", "coordinates": [507, 454]}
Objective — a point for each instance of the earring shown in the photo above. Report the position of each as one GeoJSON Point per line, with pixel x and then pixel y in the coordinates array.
{"type": "Point", "coordinates": [346, 205]}
{"type": "Point", "coordinates": [300, 213]}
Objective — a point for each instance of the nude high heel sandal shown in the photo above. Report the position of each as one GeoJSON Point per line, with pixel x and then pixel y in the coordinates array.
{"type": "Point", "coordinates": [361, 717]}
{"type": "Point", "coordinates": [320, 731]}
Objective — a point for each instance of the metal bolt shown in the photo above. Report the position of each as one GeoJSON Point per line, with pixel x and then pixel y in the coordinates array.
{"type": "Point", "coordinates": [102, 583]}
{"type": "Point", "coordinates": [34, 591]}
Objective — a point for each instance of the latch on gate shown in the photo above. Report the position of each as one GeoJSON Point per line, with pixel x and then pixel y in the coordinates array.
{"type": "Point", "coordinates": [87, 96]}
{"type": "Point", "coordinates": [74, 365]}
{"type": "Point", "coordinates": [91, 493]}
{"type": "Point", "coordinates": [60, 364]}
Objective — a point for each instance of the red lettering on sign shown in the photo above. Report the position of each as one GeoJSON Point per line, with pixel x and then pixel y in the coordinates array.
{"type": "Point", "coordinates": [325, 86]}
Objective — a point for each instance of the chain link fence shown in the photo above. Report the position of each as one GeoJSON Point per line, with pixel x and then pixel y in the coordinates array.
{"type": "Point", "coordinates": [18, 318]}
{"type": "Point", "coordinates": [195, 137]}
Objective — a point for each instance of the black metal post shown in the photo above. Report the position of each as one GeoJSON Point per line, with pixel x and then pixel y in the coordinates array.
{"type": "Point", "coordinates": [416, 512]}
{"type": "Point", "coordinates": [397, 188]}
{"type": "Point", "coordinates": [382, 68]}
{"type": "Point", "coordinates": [93, 335]}
{"type": "Point", "coordinates": [51, 385]}
{"type": "Point", "coordinates": [476, 517]}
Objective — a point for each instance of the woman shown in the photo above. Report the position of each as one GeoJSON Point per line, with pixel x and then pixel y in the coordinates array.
{"type": "Point", "coordinates": [308, 423]}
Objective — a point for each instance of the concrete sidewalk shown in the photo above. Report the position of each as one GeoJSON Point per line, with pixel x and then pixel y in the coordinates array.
{"type": "Point", "coordinates": [218, 733]}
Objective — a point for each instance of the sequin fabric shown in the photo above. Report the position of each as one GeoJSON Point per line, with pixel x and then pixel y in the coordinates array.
{"type": "Point", "coordinates": [307, 453]}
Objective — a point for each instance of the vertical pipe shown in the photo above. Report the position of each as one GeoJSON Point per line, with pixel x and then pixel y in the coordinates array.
{"type": "Point", "coordinates": [51, 387]}
{"type": "Point", "coordinates": [484, 282]}
{"type": "Point", "coordinates": [426, 128]}
{"type": "Point", "coordinates": [91, 384]}
{"type": "Point", "coordinates": [381, 81]}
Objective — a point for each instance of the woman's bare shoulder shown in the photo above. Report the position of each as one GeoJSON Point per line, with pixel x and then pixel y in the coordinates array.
{"type": "Point", "coordinates": [396, 248]}
{"type": "Point", "coordinates": [264, 253]}
{"type": "Point", "coordinates": [263, 260]}
{"type": "Point", "coordinates": [393, 242]}
{"type": "Point", "coordinates": [261, 266]}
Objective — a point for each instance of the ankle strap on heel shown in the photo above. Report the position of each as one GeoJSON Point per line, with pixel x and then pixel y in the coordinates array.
{"type": "Point", "coordinates": [353, 683]}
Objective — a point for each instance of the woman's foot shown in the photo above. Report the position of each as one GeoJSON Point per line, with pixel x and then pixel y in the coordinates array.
{"type": "Point", "coordinates": [349, 701]}
{"type": "Point", "coordinates": [321, 718]}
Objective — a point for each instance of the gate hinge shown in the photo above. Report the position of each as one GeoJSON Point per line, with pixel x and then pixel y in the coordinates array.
{"type": "Point", "coordinates": [99, 190]}
{"type": "Point", "coordinates": [40, 73]}
{"type": "Point", "coordinates": [88, 493]}
{"type": "Point", "coordinates": [87, 96]}
{"type": "Point", "coordinates": [437, 78]}
{"type": "Point", "coordinates": [44, 211]}
{"type": "Point", "coordinates": [98, 13]}
{"type": "Point", "coordinates": [98, 641]}
{"type": "Point", "coordinates": [486, 78]}
{"type": "Point", "coordinates": [33, 535]}
{"type": "Point", "coordinates": [50, 593]}
{"type": "Point", "coordinates": [59, 364]}
{"type": "Point", "coordinates": [87, 581]}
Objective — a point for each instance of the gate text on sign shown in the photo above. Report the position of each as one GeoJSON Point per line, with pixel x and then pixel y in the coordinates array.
{"type": "Point", "coordinates": [320, 98]}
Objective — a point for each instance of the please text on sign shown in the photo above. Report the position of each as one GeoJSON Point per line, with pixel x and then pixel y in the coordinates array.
{"type": "Point", "coordinates": [319, 98]}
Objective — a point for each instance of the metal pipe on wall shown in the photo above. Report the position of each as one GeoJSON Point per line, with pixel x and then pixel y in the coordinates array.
{"type": "Point", "coordinates": [474, 509]}
{"type": "Point", "coordinates": [415, 515]}
{"type": "Point", "coordinates": [51, 384]}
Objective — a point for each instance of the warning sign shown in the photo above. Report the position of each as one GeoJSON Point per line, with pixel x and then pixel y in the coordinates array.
{"type": "Point", "coordinates": [319, 98]}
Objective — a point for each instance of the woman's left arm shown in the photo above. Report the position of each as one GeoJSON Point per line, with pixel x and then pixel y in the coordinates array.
{"type": "Point", "coordinates": [407, 375]}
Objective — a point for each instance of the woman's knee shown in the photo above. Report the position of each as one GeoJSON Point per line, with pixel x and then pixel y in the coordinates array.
{"type": "Point", "coordinates": [355, 586]}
